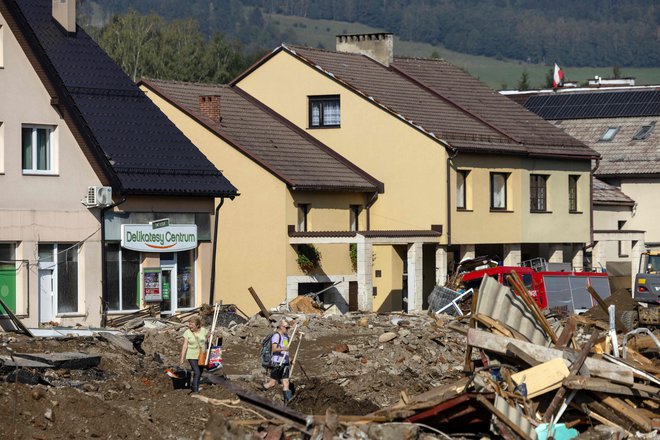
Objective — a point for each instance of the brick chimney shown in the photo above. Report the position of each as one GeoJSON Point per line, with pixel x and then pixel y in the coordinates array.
{"type": "Point", "coordinates": [64, 12]}
{"type": "Point", "coordinates": [379, 47]}
{"type": "Point", "coordinates": [209, 105]}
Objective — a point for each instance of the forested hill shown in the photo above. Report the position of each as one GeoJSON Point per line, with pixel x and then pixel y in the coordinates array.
{"type": "Point", "coordinates": [577, 33]}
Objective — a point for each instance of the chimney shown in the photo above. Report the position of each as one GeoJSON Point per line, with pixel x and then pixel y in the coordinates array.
{"type": "Point", "coordinates": [64, 12]}
{"type": "Point", "coordinates": [209, 105]}
{"type": "Point", "coordinates": [379, 47]}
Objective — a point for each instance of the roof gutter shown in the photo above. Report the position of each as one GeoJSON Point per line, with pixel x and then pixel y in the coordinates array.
{"type": "Point", "coordinates": [104, 264]}
{"type": "Point", "coordinates": [370, 203]}
{"type": "Point", "coordinates": [215, 249]}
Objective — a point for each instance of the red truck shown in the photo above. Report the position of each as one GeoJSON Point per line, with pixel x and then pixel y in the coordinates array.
{"type": "Point", "coordinates": [549, 289]}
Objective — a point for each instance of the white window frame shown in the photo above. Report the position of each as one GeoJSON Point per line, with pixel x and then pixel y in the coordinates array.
{"type": "Point", "coordinates": [121, 280]}
{"type": "Point", "coordinates": [51, 149]}
{"type": "Point", "coordinates": [52, 265]}
{"type": "Point", "coordinates": [609, 134]}
{"type": "Point", "coordinates": [461, 190]}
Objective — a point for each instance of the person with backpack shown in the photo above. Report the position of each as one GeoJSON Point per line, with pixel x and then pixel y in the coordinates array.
{"type": "Point", "coordinates": [279, 360]}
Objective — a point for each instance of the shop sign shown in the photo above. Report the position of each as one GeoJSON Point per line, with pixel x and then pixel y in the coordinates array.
{"type": "Point", "coordinates": [146, 238]}
{"type": "Point", "coordinates": [151, 280]}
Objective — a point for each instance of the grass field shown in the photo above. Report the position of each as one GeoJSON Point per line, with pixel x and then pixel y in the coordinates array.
{"type": "Point", "coordinates": [498, 74]}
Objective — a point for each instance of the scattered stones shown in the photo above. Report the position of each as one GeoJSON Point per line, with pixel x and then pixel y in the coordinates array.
{"type": "Point", "coordinates": [341, 348]}
{"type": "Point", "coordinates": [386, 337]}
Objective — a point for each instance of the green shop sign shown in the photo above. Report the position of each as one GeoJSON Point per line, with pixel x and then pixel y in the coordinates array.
{"type": "Point", "coordinates": [146, 238]}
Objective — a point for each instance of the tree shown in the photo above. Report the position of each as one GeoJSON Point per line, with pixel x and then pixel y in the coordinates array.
{"type": "Point", "coordinates": [616, 72]}
{"type": "Point", "coordinates": [523, 82]}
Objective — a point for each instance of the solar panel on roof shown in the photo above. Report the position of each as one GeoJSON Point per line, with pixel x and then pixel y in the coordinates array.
{"type": "Point", "coordinates": [630, 103]}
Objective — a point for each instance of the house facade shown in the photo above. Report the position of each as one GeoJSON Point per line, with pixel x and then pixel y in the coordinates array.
{"type": "Point", "coordinates": [465, 172]}
{"type": "Point", "coordinates": [291, 185]}
{"type": "Point", "coordinates": [620, 123]}
{"type": "Point", "coordinates": [87, 164]}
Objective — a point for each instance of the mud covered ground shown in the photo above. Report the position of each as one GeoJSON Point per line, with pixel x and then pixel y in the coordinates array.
{"type": "Point", "coordinates": [353, 364]}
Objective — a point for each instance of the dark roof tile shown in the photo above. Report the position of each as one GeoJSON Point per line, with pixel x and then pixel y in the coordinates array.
{"type": "Point", "coordinates": [127, 128]}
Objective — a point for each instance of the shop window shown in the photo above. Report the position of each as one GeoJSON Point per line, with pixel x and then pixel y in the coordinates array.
{"type": "Point", "coordinates": [324, 111]}
{"type": "Point", "coordinates": [461, 189]}
{"type": "Point", "coordinates": [355, 216]}
{"type": "Point", "coordinates": [60, 261]}
{"type": "Point", "coordinates": [538, 194]}
{"type": "Point", "coordinates": [186, 279]}
{"type": "Point", "coordinates": [123, 272]}
{"type": "Point", "coordinates": [303, 214]}
{"type": "Point", "coordinates": [573, 193]}
{"type": "Point", "coordinates": [37, 149]}
{"type": "Point", "coordinates": [498, 193]}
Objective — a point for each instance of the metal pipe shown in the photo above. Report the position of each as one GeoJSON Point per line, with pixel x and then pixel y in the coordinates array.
{"type": "Point", "coordinates": [450, 157]}
{"type": "Point", "coordinates": [591, 201]}
{"type": "Point", "coordinates": [104, 268]}
{"type": "Point", "coordinates": [215, 249]}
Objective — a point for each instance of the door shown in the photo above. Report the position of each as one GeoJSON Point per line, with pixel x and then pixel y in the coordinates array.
{"type": "Point", "coordinates": [168, 306]}
{"type": "Point", "coordinates": [46, 295]}
{"type": "Point", "coordinates": [352, 296]}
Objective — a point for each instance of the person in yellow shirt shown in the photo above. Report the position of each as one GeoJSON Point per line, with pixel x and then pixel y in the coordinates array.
{"type": "Point", "coordinates": [194, 340]}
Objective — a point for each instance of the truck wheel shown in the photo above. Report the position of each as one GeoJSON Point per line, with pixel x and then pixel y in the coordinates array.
{"type": "Point", "coordinates": [630, 318]}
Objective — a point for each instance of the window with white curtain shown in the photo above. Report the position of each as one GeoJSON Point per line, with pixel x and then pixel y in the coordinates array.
{"type": "Point", "coordinates": [37, 149]}
{"type": "Point", "coordinates": [498, 190]}
{"type": "Point", "coordinates": [324, 111]}
{"type": "Point", "coordinates": [461, 189]}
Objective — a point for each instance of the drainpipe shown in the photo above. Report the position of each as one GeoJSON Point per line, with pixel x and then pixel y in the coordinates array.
{"type": "Point", "coordinates": [370, 203]}
{"type": "Point", "coordinates": [591, 201]}
{"type": "Point", "coordinates": [104, 268]}
{"type": "Point", "coordinates": [215, 249]}
{"type": "Point", "coordinates": [450, 157]}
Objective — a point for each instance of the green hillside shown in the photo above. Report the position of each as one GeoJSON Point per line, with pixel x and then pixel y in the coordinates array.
{"type": "Point", "coordinates": [496, 73]}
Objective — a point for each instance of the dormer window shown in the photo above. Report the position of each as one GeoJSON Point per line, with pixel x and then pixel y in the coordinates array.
{"type": "Point", "coordinates": [324, 111]}
{"type": "Point", "coordinates": [644, 132]}
{"type": "Point", "coordinates": [609, 134]}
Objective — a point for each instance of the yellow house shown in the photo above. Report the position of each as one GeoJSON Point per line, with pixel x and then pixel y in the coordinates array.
{"type": "Point", "coordinates": [465, 172]}
{"type": "Point", "coordinates": [295, 191]}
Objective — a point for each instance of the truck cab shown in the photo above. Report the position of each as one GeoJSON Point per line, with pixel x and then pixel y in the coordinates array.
{"type": "Point", "coordinates": [647, 281]}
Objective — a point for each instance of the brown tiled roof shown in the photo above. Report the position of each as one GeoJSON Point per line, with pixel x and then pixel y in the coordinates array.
{"type": "Point", "coordinates": [295, 157]}
{"type": "Point", "coordinates": [457, 109]}
{"type": "Point", "coordinates": [604, 194]}
{"type": "Point", "coordinates": [622, 155]}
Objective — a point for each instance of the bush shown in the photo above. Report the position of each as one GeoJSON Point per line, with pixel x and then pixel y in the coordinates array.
{"type": "Point", "coordinates": [308, 257]}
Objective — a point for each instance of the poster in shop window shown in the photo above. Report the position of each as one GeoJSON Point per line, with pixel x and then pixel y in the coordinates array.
{"type": "Point", "coordinates": [152, 280]}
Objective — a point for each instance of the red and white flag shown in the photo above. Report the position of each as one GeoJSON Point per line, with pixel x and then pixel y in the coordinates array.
{"type": "Point", "coordinates": [558, 77]}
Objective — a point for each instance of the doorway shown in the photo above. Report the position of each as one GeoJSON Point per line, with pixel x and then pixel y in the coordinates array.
{"type": "Point", "coordinates": [46, 295]}
{"type": "Point", "coordinates": [169, 290]}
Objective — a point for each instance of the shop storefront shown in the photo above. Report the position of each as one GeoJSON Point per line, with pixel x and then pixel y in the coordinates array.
{"type": "Point", "coordinates": [155, 258]}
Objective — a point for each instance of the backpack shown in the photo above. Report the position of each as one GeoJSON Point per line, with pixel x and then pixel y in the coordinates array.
{"type": "Point", "coordinates": [267, 351]}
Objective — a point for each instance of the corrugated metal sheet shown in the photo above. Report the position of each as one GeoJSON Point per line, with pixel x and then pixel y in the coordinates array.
{"type": "Point", "coordinates": [515, 414]}
{"type": "Point", "coordinates": [498, 302]}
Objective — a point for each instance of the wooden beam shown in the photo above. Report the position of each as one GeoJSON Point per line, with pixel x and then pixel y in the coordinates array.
{"type": "Point", "coordinates": [522, 355]}
{"type": "Point", "coordinates": [617, 322]}
{"type": "Point", "coordinates": [263, 309]}
{"type": "Point", "coordinates": [604, 385]}
{"type": "Point", "coordinates": [498, 344]}
{"type": "Point", "coordinates": [640, 420]}
{"type": "Point", "coordinates": [567, 333]}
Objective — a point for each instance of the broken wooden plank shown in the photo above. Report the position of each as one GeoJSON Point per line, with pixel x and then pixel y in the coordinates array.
{"type": "Point", "coordinates": [594, 384]}
{"type": "Point", "coordinates": [498, 344]}
{"type": "Point", "coordinates": [513, 350]}
{"type": "Point", "coordinates": [619, 325]}
{"type": "Point", "coordinates": [542, 378]}
{"type": "Point", "coordinates": [263, 308]}
{"type": "Point", "coordinates": [17, 322]}
{"type": "Point", "coordinates": [575, 367]}
{"type": "Point", "coordinates": [640, 420]}
{"type": "Point", "coordinates": [567, 333]}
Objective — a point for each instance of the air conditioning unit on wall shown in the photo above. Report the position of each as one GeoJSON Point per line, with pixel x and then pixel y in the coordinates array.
{"type": "Point", "coordinates": [98, 196]}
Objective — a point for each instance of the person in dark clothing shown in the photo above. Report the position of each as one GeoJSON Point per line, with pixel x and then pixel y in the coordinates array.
{"type": "Point", "coordinates": [280, 361]}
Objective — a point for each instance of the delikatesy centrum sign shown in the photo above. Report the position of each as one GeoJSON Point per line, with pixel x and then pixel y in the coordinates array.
{"type": "Point", "coordinates": [173, 238]}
